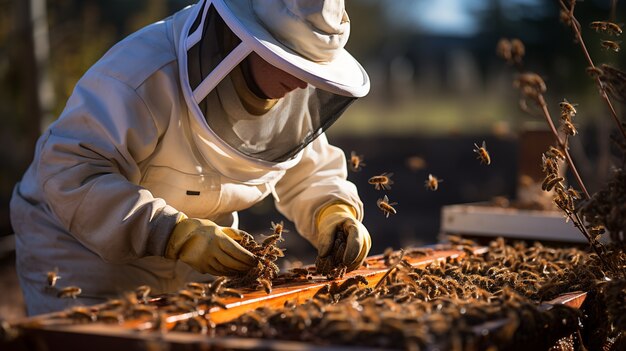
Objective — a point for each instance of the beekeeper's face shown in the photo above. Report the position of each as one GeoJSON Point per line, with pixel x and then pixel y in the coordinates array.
{"type": "Point", "coordinates": [273, 82]}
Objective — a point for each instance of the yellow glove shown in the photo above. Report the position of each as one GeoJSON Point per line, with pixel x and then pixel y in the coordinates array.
{"type": "Point", "coordinates": [209, 248]}
{"type": "Point", "coordinates": [342, 216]}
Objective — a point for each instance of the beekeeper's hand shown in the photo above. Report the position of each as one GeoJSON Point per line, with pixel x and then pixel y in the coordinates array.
{"type": "Point", "coordinates": [209, 248]}
{"type": "Point", "coordinates": [342, 217]}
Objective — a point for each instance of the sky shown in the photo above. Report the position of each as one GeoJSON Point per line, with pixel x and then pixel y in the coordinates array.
{"type": "Point", "coordinates": [450, 17]}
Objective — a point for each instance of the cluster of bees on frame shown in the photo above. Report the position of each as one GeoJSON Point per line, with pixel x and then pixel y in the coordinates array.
{"type": "Point", "coordinates": [445, 301]}
{"type": "Point", "coordinates": [266, 253]}
{"type": "Point", "coordinates": [447, 304]}
{"type": "Point", "coordinates": [384, 182]}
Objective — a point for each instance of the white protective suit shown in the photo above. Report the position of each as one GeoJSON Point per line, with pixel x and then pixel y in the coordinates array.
{"type": "Point", "coordinates": [127, 155]}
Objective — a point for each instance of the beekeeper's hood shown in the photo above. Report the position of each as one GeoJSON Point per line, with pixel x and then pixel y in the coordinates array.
{"type": "Point", "coordinates": [304, 38]}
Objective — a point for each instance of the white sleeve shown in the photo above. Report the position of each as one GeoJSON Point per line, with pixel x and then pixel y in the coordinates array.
{"type": "Point", "coordinates": [88, 170]}
{"type": "Point", "coordinates": [318, 179]}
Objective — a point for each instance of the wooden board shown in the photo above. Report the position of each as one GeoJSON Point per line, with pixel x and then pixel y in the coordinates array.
{"type": "Point", "coordinates": [483, 220]}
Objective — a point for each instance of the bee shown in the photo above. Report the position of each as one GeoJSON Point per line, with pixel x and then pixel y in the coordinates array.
{"type": "Point", "coordinates": [551, 181]}
{"type": "Point", "coordinates": [110, 317]}
{"type": "Point", "coordinates": [382, 181]}
{"type": "Point", "coordinates": [143, 292]}
{"type": "Point", "coordinates": [608, 27]}
{"type": "Point", "coordinates": [279, 228]}
{"type": "Point", "coordinates": [598, 26]}
{"type": "Point", "coordinates": [415, 163]}
{"type": "Point", "coordinates": [569, 128]}
{"type": "Point", "coordinates": [53, 276]}
{"type": "Point", "coordinates": [432, 183]}
{"type": "Point", "coordinates": [483, 155]}
{"type": "Point", "coordinates": [227, 292]}
{"type": "Point", "coordinates": [567, 108]}
{"type": "Point", "coordinates": [216, 285]}
{"type": "Point", "coordinates": [549, 164]}
{"type": "Point", "coordinates": [266, 284]}
{"type": "Point", "coordinates": [555, 153]}
{"type": "Point", "coordinates": [186, 295]}
{"type": "Point", "coordinates": [356, 162]}
{"type": "Point", "coordinates": [80, 313]}
{"type": "Point", "coordinates": [70, 291]}
{"type": "Point", "coordinates": [272, 239]}
{"type": "Point", "coordinates": [571, 192]}
{"type": "Point", "coordinates": [386, 206]}
{"type": "Point", "coordinates": [197, 288]}
{"type": "Point", "coordinates": [610, 45]}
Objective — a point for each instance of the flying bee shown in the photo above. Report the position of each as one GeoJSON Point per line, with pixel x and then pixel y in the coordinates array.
{"type": "Point", "coordinates": [608, 27]}
{"type": "Point", "coordinates": [279, 228]}
{"type": "Point", "coordinates": [70, 291]}
{"type": "Point", "coordinates": [381, 182]}
{"type": "Point", "coordinates": [356, 162]}
{"type": "Point", "coordinates": [610, 45]}
{"type": "Point", "coordinates": [432, 183]}
{"type": "Point", "coordinates": [598, 26]}
{"type": "Point", "coordinates": [53, 276]}
{"type": "Point", "coordinates": [613, 28]}
{"type": "Point", "coordinates": [415, 163]}
{"type": "Point", "coordinates": [483, 154]}
{"type": "Point", "coordinates": [386, 206]}
{"type": "Point", "coordinates": [567, 108]}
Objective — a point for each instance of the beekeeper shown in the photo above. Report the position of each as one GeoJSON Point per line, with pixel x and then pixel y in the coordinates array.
{"type": "Point", "coordinates": [177, 128]}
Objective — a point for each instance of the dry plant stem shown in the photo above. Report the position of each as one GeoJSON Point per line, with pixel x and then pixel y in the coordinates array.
{"type": "Point", "coordinates": [613, 10]}
{"type": "Point", "coordinates": [579, 38]}
{"type": "Point", "coordinates": [563, 146]}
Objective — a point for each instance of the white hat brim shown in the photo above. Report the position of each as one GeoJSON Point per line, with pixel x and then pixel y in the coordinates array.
{"type": "Point", "coordinates": [343, 75]}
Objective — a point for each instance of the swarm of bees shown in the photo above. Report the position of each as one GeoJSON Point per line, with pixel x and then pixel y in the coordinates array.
{"type": "Point", "coordinates": [266, 253]}
{"type": "Point", "coordinates": [445, 305]}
